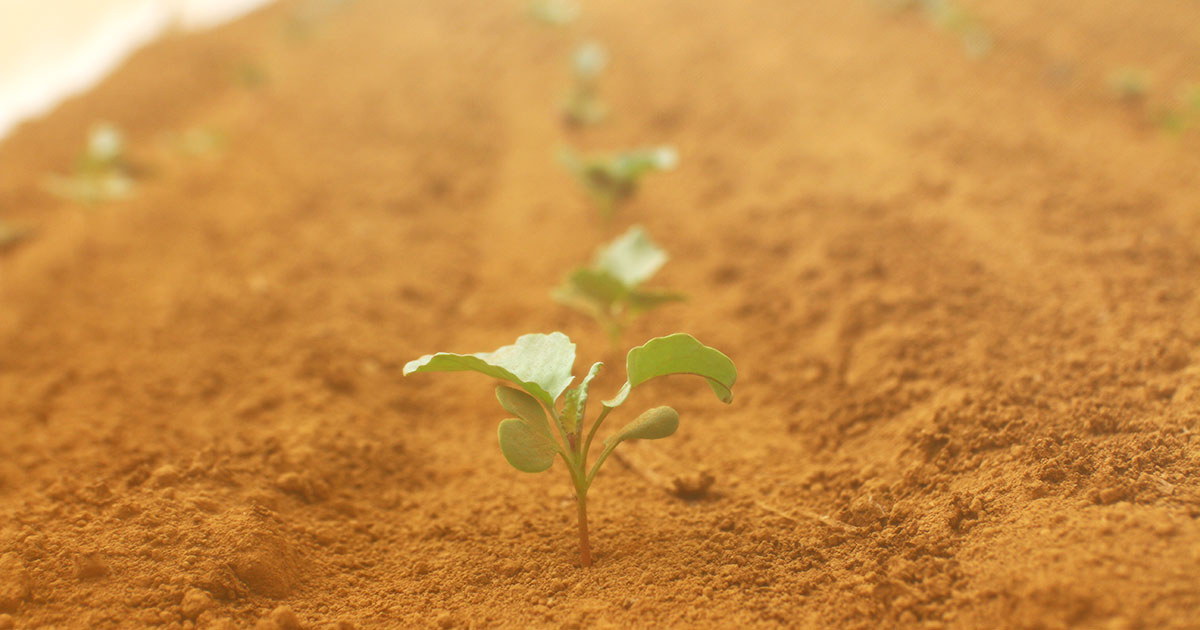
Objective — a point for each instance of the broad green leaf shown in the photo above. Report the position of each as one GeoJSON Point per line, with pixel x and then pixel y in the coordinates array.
{"type": "Point", "coordinates": [653, 424]}
{"type": "Point", "coordinates": [677, 354]}
{"type": "Point", "coordinates": [539, 364]}
{"type": "Point", "coordinates": [523, 406]}
{"type": "Point", "coordinates": [632, 165]}
{"type": "Point", "coordinates": [597, 287]}
{"type": "Point", "coordinates": [575, 402]}
{"type": "Point", "coordinates": [524, 447]}
{"type": "Point", "coordinates": [631, 259]}
{"type": "Point", "coordinates": [641, 301]}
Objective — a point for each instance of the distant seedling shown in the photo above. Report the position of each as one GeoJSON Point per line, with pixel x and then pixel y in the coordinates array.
{"type": "Point", "coordinates": [1183, 116]}
{"type": "Point", "coordinates": [609, 290]}
{"type": "Point", "coordinates": [540, 367]}
{"type": "Point", "coordinates": [952, 17]}
{"type": "Point", "coordinates": [583, 105]}
{"type": "Point", "coordinates": [101, 172]}
{"type": "Point", "coordinates": [611, 179]}
{"type": "Point", "coordinates": [554, 12]}
{"type": "Point", "coordinates": [1129, 84]}
{"type": "Point", "coordinates": [11, 235]}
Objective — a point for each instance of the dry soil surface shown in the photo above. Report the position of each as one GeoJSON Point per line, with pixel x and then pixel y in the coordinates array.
{"type": "Point", "coordinates": [962, 294]}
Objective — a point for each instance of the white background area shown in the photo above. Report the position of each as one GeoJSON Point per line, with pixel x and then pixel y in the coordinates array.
{"type": "Point", "coordinates": [52, 49]}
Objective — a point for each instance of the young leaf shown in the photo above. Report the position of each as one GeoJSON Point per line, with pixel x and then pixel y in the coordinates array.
{"type": "Point", "coordinates": [524, 447]}
{"type": "Point", "coordinates": [641, 301]}
{"type": "Point", "coordinates": [653, 424]}
{"type": "Point", "coordinates": [632, 258]}
{"type": "Point", "coordinates": [575, 402]}
{"type": "Point", "coordinates": [608, 289]}
{"type": "Point", "coordinates": [539, 364]}
{"type": "Point", "coordinates": [523, 406]}
{"type": "Point", "coordinates": [677, 354]}
{"type": "Point", "coordinates": [613, 178]}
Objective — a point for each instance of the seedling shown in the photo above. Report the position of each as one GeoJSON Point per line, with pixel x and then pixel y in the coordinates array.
{"type": "Point", "coordinates": [11, 235]}
{"type": "Point", "coordinates": [554, 12]}
{"type": "Point", "coordinates": [583, 105]}
{"type": "Point", "coordinates": [1185, 115]}
{"type": "Point", "coordinates": [101, 172]}
{"type": "Point", "coordinates": [611, 179]}
{"type": "Point", "coordinates": [951, 17]}
{"type": "Point", "coordinates": [1129, 84]}
{"type": "Point", "coordinates": [609, 290]}
{"type": "Point", "coordinates": [540, 367]}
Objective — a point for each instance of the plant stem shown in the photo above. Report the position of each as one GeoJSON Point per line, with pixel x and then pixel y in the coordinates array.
{"type": "Point", "coordinates": [585, 549]}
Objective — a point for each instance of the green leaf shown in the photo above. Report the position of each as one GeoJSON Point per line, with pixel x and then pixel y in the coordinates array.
{"type": "Point", "coordinates": [677, 354]}
{"type": "Point", "coordinates": [523, 406]}
{"type": "Point", "coordinates": [641, 301]}
{"type": "Point", "coordinates": [539, 364]}
{"type": "Point", "coordinates": [653, 424]}
{"type": "Point", "coordinates": [598, 289]}
{"type": "Point", "coordinates": [524, 447]}
{"type": "Point", "coordinates": [631, 259]}
{"type": "Point", "coordinates": [575, 402]}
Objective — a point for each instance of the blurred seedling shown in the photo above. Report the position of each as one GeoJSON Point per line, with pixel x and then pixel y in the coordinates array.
{"type": "Point", "coordinates": [1184, 115]}
{"type": "Point", "coordinates": [583, 105]}
{"type": "Point", "coordinates": [11, 236]}
{"type": "Point", "coordinates": [250, 75]}
{"type": "Point", "coordinates": [951, 17]}
{"type": "Point", "coordinates": [196, 142]}
{"type": "Point", "coordinates": [613, 178]}
{"type": "Point", "coordinates": [101, 172]}
{"type": "Point", "coordinates": [957, 19]}
{"type": "Point", "coordinates": [609, 290]}
{"type": "Point", "coordinates": [540, 366]}
{"type": "Point", "coordinates": [554, 12]}
{"type": "Point", "coordinates": [1129, 85]}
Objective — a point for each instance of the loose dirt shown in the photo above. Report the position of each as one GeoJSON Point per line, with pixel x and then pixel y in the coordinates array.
{"type": "Point", "coordinates": [962, 294]}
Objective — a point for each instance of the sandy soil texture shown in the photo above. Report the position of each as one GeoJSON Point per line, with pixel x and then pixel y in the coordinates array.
{"type": "Point", "coordinates": [962, 295]}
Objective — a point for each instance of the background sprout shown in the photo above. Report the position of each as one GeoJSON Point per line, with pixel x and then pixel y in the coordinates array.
{"type": "Point", "coordinates": [583, 105]}
{"type": "Point", "coordinates": [613, 178]}
{"type": "Point", "coordinates": [101, 172]}
{"type": "Point", "coordinates": [554, 12]}
{"type": "Point", "coordinates": [540, 367]}
{"type": "Point", "coordinates": [1129, 84]}
{"type": "Point", "coordinates": [609, 289]}
{"type": "Point", "coordinates": [11, 235]}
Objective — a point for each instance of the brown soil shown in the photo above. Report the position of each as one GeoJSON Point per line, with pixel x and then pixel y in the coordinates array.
{"type": "Point", "coordinates": [962, 294]}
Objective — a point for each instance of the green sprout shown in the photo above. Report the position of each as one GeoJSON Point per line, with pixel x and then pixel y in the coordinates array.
{"type": "Point", "coordinates": [951, 17]}
{"type": "Point", "coordinates": [583, 105]}
{"type": "Point", "coordinates": [554, 12]}
{"type": "Point", "coordinates": [540, 367]}
{"type": "Point", "coordinates": [1183, 116]}
{"type": "Point", "coordinates": [609, 290]}
{"type": "Point", "coordinates": [11, 235]}
{"type": "Point", "coordinates": [611, 179]}
{"type": "Point", "coordinates": [101, 172]}
{"type": "Point", "coordinates": [1129, 84]}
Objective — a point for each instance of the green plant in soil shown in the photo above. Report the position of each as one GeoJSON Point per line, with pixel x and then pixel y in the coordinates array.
{"type": "Point", "coordinates": [1184, 115]}
{"type": "Point", "coordinates": [101, 172]}
{"type": "Point", "coordinates": [11, 235]}
{"type": "Point", "coordinates": [1129, 84]}
{"type": "Point", "coordinates": [951, 17]}
{"type": "Point", "coordinates": [613, 178]}
{"type": "Point", "coordinates": [583, 105]}
{"type": "Point", "coordinates": [554, 12]}
{"type": "Point", "coordinates": [540, 367]}
{"type": "Point", "coordinates": [610, 288]}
